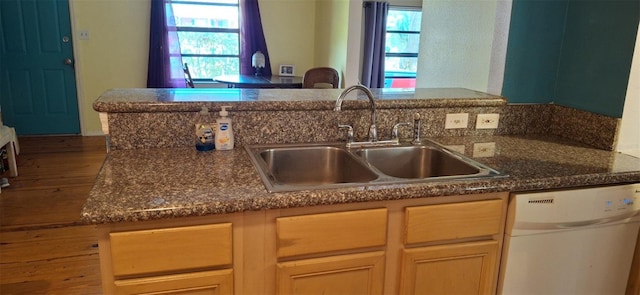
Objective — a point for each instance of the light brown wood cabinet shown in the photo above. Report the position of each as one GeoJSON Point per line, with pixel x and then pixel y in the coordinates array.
{"type": "Point", "coordinates": [444, 245]}
{"type": "Point", "coordinates": [464, 268]}
{"type": "Point", "coordinates": [195, 259]}
{"type": "Point", "coordinates": [215, 282]}
{"type": "Point", "coordinates": [313, 234]}
{"type": "Point", "coordinates": [466, 258]}
{"type": "Point", "coordinates": [342, 274]}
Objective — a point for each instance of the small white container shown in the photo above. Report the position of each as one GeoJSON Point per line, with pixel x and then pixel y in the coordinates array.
{"type": "Point", "coordinates": [224, 131]}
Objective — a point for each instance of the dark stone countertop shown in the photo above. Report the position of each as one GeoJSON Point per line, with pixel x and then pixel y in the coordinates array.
{"type": "Point", "coordinates": [191, 100]}
{"type": "Point", "coordinates": [147, 184]}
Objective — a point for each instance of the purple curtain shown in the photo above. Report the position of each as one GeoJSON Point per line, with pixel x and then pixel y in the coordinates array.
{"type": "Point", "coordinates": [375, 28]}
{"type": "Point", "coordinates": [251, 37]}
{"type": "Point", "coordinates": [165, 61]}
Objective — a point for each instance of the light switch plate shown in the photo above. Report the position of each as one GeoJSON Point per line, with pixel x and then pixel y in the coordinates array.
{"type": "Point", "coordinates": [454, 121]}
{"type": "Point", "coordinates": [487, 121]}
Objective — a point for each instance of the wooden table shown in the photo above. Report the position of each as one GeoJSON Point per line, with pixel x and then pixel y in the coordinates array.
{"type": "Point", "coordinates": [252, 81]}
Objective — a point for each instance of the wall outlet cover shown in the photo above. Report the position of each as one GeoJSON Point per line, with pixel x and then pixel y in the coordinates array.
{"type": "Point", "coordinates": [83, 34]}
{"type": "Point", "coordinates": [487, 121]}
{"type": "Point", "coordinates": [454, 121]}
{"type": "Point", "coordinates": [484, 149]}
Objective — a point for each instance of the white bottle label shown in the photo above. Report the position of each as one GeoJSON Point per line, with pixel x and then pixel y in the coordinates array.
{"type": "Point", "coordinates": [223, 137]}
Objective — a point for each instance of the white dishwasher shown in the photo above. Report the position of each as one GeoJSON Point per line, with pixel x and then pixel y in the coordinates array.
{"type": "Point", "coordinates": [570, 242]}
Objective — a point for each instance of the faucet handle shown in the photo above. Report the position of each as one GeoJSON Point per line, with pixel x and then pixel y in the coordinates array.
{"type": "Point", "coordinates": [416, 129]}
{"type": "Point", "coordinates": [349, 132]}
{"type": "Point", "coordinates": [394, 131]}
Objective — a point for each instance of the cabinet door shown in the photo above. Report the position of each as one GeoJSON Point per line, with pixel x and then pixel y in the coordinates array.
{"type": "Point", "coordinates": [466, 268]}
{"type": "Point", "coordinates": [343, 274]}
{"type": "Point", "coordinates": [216, 282]}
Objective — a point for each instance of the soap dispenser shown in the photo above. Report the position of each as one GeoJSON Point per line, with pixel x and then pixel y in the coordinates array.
{"type": "Point", "coordinates": [204, 130]}
{"type": "Point", "coordinates": [224, 131]}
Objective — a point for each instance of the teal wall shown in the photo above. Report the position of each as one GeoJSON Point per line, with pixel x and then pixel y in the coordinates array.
{"type": "Point", "coordinates": [575, 53]}
{"type": "Point", "coordinates": [533, 50]}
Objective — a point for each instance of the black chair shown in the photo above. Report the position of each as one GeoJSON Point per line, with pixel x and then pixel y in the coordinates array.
{"type": "Point", "coordinates": [187, 76]}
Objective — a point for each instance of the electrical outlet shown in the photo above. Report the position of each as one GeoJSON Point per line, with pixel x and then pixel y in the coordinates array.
{"type": "Point", "coordinates": [455, 121]}
{"type": "Point", "coordinates": [487, 121]}
{"type": "Point", "coordinates": [83, 34]}
{"type": "Point", "coordinates": [484, 149]}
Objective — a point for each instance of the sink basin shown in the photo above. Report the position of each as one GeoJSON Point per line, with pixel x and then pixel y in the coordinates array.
{"type": "Point", "coordinates": [416, 162]}
{"type": "Point", "coordinates": [314, 166]}
{"type": "Point", "coordinates": [291, 167]}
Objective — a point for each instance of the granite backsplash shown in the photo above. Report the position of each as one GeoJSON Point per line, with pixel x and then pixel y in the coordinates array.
{"type": "Point", "coordinates": [175, 129]}
{"type": "Point", "coordinates": [168, 124]}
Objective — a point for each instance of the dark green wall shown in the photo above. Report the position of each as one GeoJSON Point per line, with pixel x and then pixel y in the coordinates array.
{"type": "Point", "coordinates": [575, 53]}
{"type": "Point", "coordinates": [533, 50]}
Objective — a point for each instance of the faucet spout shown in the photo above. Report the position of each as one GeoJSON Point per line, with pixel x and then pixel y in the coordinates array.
{"type": "Point", "coordinates": [373, 130]}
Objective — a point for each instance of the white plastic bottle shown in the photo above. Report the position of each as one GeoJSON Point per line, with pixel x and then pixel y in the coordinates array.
{"type": "Point", "coordinates": [224, 131]}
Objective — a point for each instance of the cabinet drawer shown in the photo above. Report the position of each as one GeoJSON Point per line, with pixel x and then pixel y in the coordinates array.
{"type": "Point", "coordinates": [452, 221]}
{"type": "Point", "coordinates": [318, 233]}
{"type": "Point", "coordinates": [208, 282]}
{"type": "Point", "coordinates": [171, 249]}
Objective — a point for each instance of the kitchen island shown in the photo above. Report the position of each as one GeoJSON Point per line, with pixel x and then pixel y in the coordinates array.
{"type": "Point", "coordinates": [155, 189]}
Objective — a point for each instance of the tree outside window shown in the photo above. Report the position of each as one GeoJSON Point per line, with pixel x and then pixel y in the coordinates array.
{"type": "Point", "coordinates": [402, 46]}
{"type": "Point", "coordinates": [209, 34]}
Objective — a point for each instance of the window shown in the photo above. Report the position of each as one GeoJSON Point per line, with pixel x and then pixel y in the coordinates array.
{"type": "Point", "coordinates": [401, 47]}
{"type": "Point", "coordinates": [209, 33]}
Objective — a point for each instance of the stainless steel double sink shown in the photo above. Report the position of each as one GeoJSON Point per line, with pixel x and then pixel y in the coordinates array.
{"type": "Point", "coordinates": [291, 167]}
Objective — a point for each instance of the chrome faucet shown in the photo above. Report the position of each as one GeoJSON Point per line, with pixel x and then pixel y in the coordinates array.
{"type": "Point", "coordinates": [373, 130]}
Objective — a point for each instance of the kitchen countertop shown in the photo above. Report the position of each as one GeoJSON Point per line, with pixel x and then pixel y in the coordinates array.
{"type": "Point", "coordinates": [189, 99]}
{"type": "Point", "coordinates": [147, 184]}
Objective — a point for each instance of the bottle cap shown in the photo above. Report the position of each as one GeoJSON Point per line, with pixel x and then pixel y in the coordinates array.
{"type": "Point", "coordinates": [224, 112]}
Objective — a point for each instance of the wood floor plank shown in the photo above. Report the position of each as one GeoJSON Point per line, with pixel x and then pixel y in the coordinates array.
{"type": "Point", "coordinates": [59, 165]}
{"type": "Point", "coordinates": [22, 184]}
{"type": "Point", "coordinates": [46, 206]}
{"type": "Point", "coordinates": [44, 247]}
{"type": "Point", "coordinates": [47, 244]}
{"type": "Point", "coordinates": [55, 276]}
{"type": "Point", "coordinates": [54, 144]}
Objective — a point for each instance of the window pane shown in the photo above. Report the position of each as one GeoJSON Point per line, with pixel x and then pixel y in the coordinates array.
{"type": "Point", "coordinates": [208, 43]}
{"type": "Point", "coordinates": [402, 43]}
{"type": "Point", "coordinates": [404, 20]}
{"type": "Point", "coordinates": [206, 16]}
{"type": "Point", "coordinates": [210, 67]}
{"type": "Point", "coordinates": [209, 1]}
{"type": "Point", "coordinates": [400, 66]}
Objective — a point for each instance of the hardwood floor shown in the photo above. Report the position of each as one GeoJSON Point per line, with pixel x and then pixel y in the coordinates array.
{"type": "Point", "coordinates": [44, 248]}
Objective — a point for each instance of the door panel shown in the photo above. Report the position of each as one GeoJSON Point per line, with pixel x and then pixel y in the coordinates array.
{"type": "Point", "coordinates": [361, 273]}
{"type": "Point", "coordinates": [37, 89]}
{"type": "Point", "coordinates": [465, 268]}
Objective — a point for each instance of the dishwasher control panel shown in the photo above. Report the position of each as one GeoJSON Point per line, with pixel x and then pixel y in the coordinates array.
{"type": "Point", "coordinates": [559, 210]}
{"type": "Point", "coordinates": [619, 203]}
